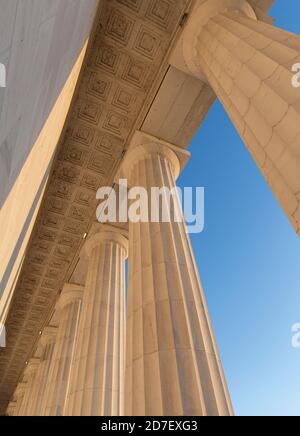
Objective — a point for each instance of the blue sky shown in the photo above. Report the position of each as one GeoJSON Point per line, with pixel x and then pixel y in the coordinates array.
{"type": "Point", "coordinates": [248, 258]}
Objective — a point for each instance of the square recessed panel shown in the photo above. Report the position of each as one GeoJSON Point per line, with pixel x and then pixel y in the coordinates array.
{"type": "Point", "coordinates": [36, 269]}
{"type": "Point", "coordinates": [68, 240]}
{"type": "Point", "coordinates": [160, 13]}
{"type": "Point", "coordinates": [67, 172]}
{"type": "Point", "coordinates": [42, 246]}
{"type": "Point", "coordinates": [61, 251]}
{"type": "Point", "coordinates": [115, 123]}
{"type": "Point", "coordinates": [134, 5]}
{"type": "Point", "coordinates": [31, 282]}
{"type": "Point", "coordinates": [47, 235]}
{"type": "Point", "coordinates": [85, 197]}
{"type": "Point", "coordinates": [89, 111]}
{"type": "Point", "coordinates": [124, 99]}
{"type": "Point", "coordinates": [79, 213]}
{"type": "Point", "coordinates": [56, 205]}
{"type": "Point", "coordinates": [119, 27]}
{"type": "Point", "coordinates": [108, 59]}
{"type": "Point", "coordinates": [82, 134]}
{"type": "Point", "coordinates": [53, 273]}
{"type": "Point", "coordinates": [50, 283]}
{"type": "Point", "coordinates": [51, 221]}
{"type": "Point", "coordinates": [40, 259]}
{"type": "Point", "coordinates": [73, 154]}
{"type": "Point", "coordinates": [97, 86]}
{"type": "Point", "coordinates": [136, 72]}
{"type": "Point", "coordinates": [61, 189]}
{"type": "Point", "coordinates": [100, 163]}
{"type": "Point", "coordinates": [147, 43]}
{"type": "Point", "coordinates": [74, 227]}
{"type": "Point", "coordinates": [110, 145]}
{"type": "Point", "coordinates": [91, 181]}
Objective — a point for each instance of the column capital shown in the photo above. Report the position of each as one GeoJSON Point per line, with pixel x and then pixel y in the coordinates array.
{"type": "Point", "coordinates": [70, 293]}
{"type": "Point", "coordinates": [104, 233]}
{"type": "Point", "coordinates": [48, 335]}
{"type": "Point", "coordinates": [144, 145]}
{"type": "Point", "coordinates": [184, 55]}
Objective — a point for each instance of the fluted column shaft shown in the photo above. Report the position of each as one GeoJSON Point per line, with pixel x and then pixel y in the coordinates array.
{"type": "Point", "coordinates": [249, 65]}
{"type": "Point", "coordinates": [30, 375]}
{"type": "Point", "coordinates": [47, 342]}
{"type": "Point", "coordinates": [97, 376]}
{"type": "Point", "coordinates": [59, 375]}
{"type": "Point", "coordinates": [173, 366]}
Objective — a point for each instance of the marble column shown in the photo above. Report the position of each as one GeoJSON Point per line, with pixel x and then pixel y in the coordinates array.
{"type": "Point", "coordinates": [249, 63]}
{"type": "Point", "coordinates": [97, 376]}
{"type": "Point", "coordinates": [19, 396]}
{"type": "Point", "coordinates": [69, 306]}
{"type": "Point", "coordinates": [30, 376]}
{"type": "Point", "coordinates": [47, 343]}
{"type": "Point", "coordinates": [172, 366]}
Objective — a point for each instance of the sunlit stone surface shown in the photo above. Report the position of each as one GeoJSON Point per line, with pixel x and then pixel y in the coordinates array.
{"type": "Point", "coordinates": [150, 71]}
